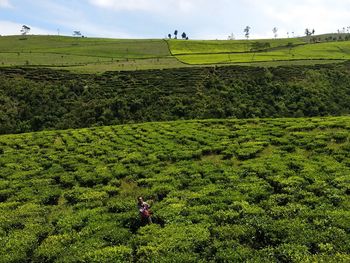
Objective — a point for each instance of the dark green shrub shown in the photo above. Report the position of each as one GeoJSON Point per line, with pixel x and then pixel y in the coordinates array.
{"type": "Point", "coordinates": [118, 254]}
{"type": "Point", "coordinates": [288, 253]}
{"type": "Point", "coordinates": [18, 246]}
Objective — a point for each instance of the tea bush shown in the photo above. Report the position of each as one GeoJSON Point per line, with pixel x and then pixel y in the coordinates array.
{"type": "Point", "coordinates": [237, 190]}
{"type": "Point", "coordinates": [43, 99]}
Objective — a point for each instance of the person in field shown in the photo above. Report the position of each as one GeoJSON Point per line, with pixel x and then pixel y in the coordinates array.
{"type": "Point", "coordinates": [145, 212]}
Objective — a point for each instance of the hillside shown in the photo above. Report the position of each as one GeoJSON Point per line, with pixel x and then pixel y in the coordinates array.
{"type": "Point", "coordinates": [98, 55]}
{"type": "Point", "coordinates": [85, 54]}
{"type": "Point", "coordinates": [270, 190]}
{"type": "Point", "coordinates": [40, 99]}
{"type": "Point", "coordinates": [240, 163]}
{"type": "Point", "coordinates": [228, 52]}
{"type": "Point", "coordinates": [179, 47]}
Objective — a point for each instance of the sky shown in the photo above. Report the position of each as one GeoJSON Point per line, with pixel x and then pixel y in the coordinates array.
{"type": "Point", "coordinates": [200, 19]}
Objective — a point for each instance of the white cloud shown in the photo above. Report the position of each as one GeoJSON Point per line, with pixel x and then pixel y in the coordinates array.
{"type": "Point", "coordinates": [153, 6]}
{"type": "Point", "coordinates": [200, 19]}
{"type": "Point", "coordinates": [324, 16]}
{"type": "Point", "coordinates": [12, 28]}
{"type": "Point", "coordinates": [70, 17]}
{"type": "Point", "coordinates": [91, 29]}
{"type": "Point", "coordinates": [216, 19]}
{"type": "Point", "coordinates": [5, 4]}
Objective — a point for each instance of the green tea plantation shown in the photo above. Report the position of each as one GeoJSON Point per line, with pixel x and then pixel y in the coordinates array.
{"type": "Point", "coordinates": [265, 51]}
{"type": "Point", "coordinates": [249, 190]}
{"type": "Point", "coordinates": [41, 99]}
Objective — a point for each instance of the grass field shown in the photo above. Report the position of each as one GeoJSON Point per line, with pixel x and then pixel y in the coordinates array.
{"type": "Point", "coordinates": [179, 47]}
{"type": "Point", "coordinates": [268, 190]}
{"type": "Point", "coordinates": [85, 54]}
{"type": "Point", "coordinates": [97, 55]}
{"type": "Point", "coordinates": [126, 65]}
{"type": "Point", "coordinates": [93, 47]}
{"type": "Point", "coordinates": [221, 52]}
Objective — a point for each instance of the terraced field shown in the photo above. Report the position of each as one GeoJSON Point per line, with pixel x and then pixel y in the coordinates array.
{"type": "Point", "coordinates": [221, 191]}
{"type": "Point", "coordinates": [222, 52]}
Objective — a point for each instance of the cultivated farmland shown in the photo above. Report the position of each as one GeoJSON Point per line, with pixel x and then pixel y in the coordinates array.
{"type": "Point", "coordinates": [85, 54]}
{"type": "Point", "coordinates": [98, 55]}
{"type": "Point", "coordinates": [226, 52]}
{"type": "Point", "coordinates": [239, 164]}
{"type": "Point", "coordinates": [40, 99]}
{"type": "Point", "coordinates": [271, 190]}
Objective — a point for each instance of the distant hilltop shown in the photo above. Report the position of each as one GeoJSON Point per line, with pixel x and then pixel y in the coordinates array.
{"type": "Point", "coordinates": [94, 55]}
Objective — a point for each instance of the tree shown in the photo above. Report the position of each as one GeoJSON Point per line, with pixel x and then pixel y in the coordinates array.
{"type": "Point", "coordinates": [169, 36]}
{"type": "Point", "coordinates": [247, 31]}
{"type": "Point", "coordinates": [25, 30]}
{"type": "Point", "coordinates": [274, 31]}
{"type": "Point", "coordinates": [175, 34]}
{"type": "Point", "coordinates": [183, 35]}
{"type": "Point", "coordinates": [76, 33]}
{"type": "Point", "coordinates": [308, 32]}
{"type": "Point", "coordinates": [231, 37]}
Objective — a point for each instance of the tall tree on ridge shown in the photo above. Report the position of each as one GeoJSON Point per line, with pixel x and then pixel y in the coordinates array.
{"type": "Point", "coordinates": [274, 31]}
{"type": "Point", "coordinates": [247, 32]}
{"type": "Point", "coordinates": [25, 30]}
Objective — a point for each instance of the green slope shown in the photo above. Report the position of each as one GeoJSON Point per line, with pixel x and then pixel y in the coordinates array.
{"type": "Point", "coordinates": [224, 52]}
{"type": "Point", "coordinates": [96, 55]}
{"type": "Point", "coordinates": [270, 190]}
{"type": "Point", "coordinates": [40, 99]}
{"type": "Point", "coordinates": [95, 47]}
{"type": "Point", "coordinates": [85, 54]}
{"type": "Point", "coordinates": [180, 47]}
